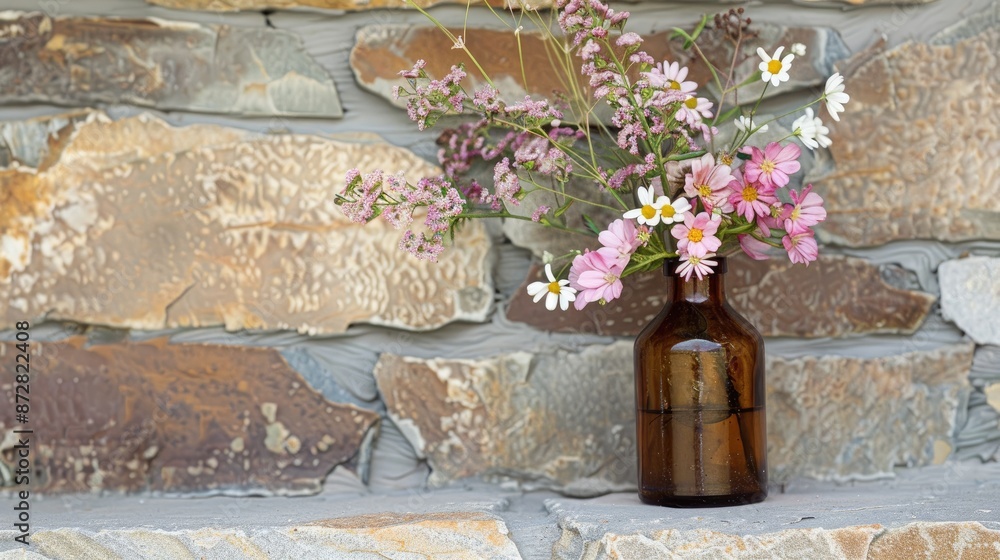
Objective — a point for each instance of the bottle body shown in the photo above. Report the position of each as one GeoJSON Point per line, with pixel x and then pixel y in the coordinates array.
{"type": "Point", "coordinates": [700, 416]}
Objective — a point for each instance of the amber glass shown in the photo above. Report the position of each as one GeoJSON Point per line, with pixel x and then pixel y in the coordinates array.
{"type": "Point", "coordinates": [699, 379]}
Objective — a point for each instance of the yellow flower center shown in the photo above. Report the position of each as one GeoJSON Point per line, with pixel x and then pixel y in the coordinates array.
{"type": "Point", "coordinates": [667, 211]}
{"type": "Point", "coordinates": [767, 166]}
{"type": "Point", "coordinates": [648, 212]}
{"type": "Point", "coordinates": [691, 103]}
{"type": "Point", "coordinates": [749, 194]}
{"type": "Point", "coordinates": [795, 213]}
{"type": "Point", "coordinates": [554, 287]}
{"type": "Point", "coordinates": [695, 235]}
{"type": "Point", "coordinates": [726, 159]}
{"type": "Point", "coordinates": [674, 84]}
{"type": "Point", "coordinates": [774, 66]}
{"type": "Point", "coordinates": [704, 191]}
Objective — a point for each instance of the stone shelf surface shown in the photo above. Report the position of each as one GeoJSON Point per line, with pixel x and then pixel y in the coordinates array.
{"type": "Point", "coordinates": [941, 512]}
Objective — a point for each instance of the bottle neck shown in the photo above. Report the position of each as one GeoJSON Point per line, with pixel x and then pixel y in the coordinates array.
{"type": "Point", "coordinates": [711, 288]}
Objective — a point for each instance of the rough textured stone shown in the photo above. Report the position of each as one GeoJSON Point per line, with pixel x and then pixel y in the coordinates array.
{"type": "Point", "coordinates": [28, 142]}
{"type": "Point", "coordinates": [970, 296]}
{"type": "Point", "coordinates": [937, 540]}
{"type": "Point", "coordinates": [518, 416]}
{"type": "Point", "coordinates": [178, 418]}
{"type": "Point", "coordinates": [992, 393]}
{"type": "Point", "coordinates": [848, 418]}
{"type": "Point", "coordinates": [961, 540]}
{"type": "Point", "coordinates": [920, 514]}
{"type": "Point", "coordinates": [845, 296]}
{"type": "Point", "coordinates": [214, 231]}
{"type": "Point", "coordinates": [914, 161]}
{"type": "Point", "coordinates": [979, 436]}
{"type": "Point", "coordinates": [459, 534]}
{"type": "Point", "coordinates": [382, 51]}
{"type": "Point", "coordinates": [352, 5]}
{"type": "Point", "coordinates": [566, 420]}
{"type": "Point", "coordinates": [345, 5]}
{"type": "Point", "coordinates": [161, 64]}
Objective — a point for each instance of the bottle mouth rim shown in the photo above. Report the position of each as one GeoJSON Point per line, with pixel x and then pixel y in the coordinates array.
{"type": "Point", "coordinates": [670, 265]}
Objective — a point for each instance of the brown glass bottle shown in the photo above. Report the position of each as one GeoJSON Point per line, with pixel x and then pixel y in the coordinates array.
{"type": "Point", "coordinates": [699, 379]}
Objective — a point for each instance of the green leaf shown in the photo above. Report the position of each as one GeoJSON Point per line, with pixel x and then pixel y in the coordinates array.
{"type": "Point", "coordinates": [697, 31]}
{"type": "Point", "coordinates": [591, 225]}
{"type": "Point", "coordinates": [562, 209]}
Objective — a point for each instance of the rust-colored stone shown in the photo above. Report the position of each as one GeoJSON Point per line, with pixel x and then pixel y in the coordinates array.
{"type": "Point", "coordinates": [914, 161]}
{"type": "Point", "coordinates": [841, 296]}
{"type": "Point", "coordinates": [138, 224]}
{"type": "Point", "coordinates": [961, 541]}
{"type": "Point", "coordinates": [382, 51]}
{"type": "Point", "coordinates": [156, 63]}
{"type": "Point", "coordinates": [177, 418]}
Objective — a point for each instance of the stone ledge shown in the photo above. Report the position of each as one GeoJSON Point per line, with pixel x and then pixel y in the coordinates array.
{"type": "Point", "coordinates": [949, 511]}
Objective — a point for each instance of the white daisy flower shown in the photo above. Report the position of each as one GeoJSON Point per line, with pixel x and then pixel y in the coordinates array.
{"type": "Point", "coordinates": [746, 124]}
{"type": "Point", "coordinates": [798, 49]}
{"type": "Point", "coordinates": [810, 129]}
{"type": "Point", "coordinates": [673, 212]}
{"type": "Point", "coordinates": [555, 292]}
{"type": "Point", "coordinates": [648, 213]}
{"type": "Point", "coordinates": [835, 96]}
{"type": "Point", "coordinates": [774, 69]}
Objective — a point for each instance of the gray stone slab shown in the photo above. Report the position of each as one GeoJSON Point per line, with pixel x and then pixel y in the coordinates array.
{"type": "Point", "coordinates": [970, 296]}
{"type": "Point", "coordinates": [950, 493]}
{"type": "Point", "coordinates": [163, 64]}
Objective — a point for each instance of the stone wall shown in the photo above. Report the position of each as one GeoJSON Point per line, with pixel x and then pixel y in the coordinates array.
{"type": "Point", "coordinates": [204, 320]}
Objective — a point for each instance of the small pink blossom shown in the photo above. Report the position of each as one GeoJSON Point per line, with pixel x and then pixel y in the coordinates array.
{"type": "Point", "coordinates": [542, 210]}
{"type": "Point", "coordinates": [619, 241]}
{"type": "Point", "coordinates": [629, 40]}
{"type": "Point", "coordinates": [690, 264]}
{"type": "Point", "coordinates": [772, 166]}
{"type": "Point", "coordinates": [750, 199]}
{"type": "Point", "coordinates": [801, 247]}
{"type": "Point", "coordinates": [806, 212]}
{"type": "Point", "coordinates": [696, 236]}
{"type": "Point", "coordinates": [595, 278]}
{"type": "Point", "coordinates": [753, 247]}
{"type": "Point", "coordinates": [709, 182]}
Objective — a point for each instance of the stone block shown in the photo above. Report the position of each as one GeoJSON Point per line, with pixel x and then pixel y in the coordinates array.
{"type": "Point", "coordinates": [168, 65]}
{"type": "Point", "coordinates": [177, 419]}
{"type": "Point", "coordinates": [142, 225]}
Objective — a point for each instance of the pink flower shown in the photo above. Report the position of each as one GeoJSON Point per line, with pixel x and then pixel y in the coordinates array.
{"type": "Point", "coordinates": [775, 219]}
{"type": "Point", "coordinates": [670, 76]}
{"type": "Point", "coordinates": [595, 278]}
{"type": "Point", "coordinates": [753, 247]}
{"type": "Point", "coordinates": [619, 241]}
{"type": "Point", "coordinates": [772, 166]}
{"type": "Point", "coordinates": [709, 182]}
{"type": "Point", "coordinates": [542, 210]}
{"type": "Point", "coordinates": [697, 265]}
{"type": "Point", "coordinates": [751, 199]}
{"type": "Point", "coordinates": [801, 247]}
{"type": "Point", "coordinates": [696, 236]}
{"type": "Point", "coordinates": [807, 211]}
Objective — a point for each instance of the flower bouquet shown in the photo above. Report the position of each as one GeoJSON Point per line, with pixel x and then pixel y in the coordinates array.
{"type": "Point", "coordinates": [632, 138]}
